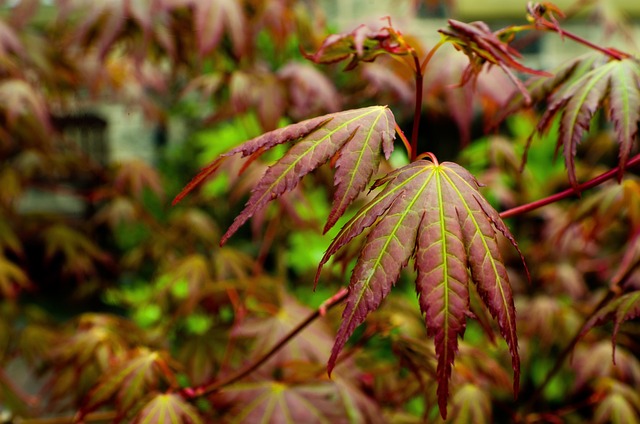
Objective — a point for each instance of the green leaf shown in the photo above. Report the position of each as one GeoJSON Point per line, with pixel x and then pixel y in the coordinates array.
{"type": "Point", "coordinates": [435, 214]}
{"type": "Point", "coordinates": [168, 408]}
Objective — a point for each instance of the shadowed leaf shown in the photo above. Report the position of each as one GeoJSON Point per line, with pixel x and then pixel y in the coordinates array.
{"type": "Point", "coordinates": [624, 308]}
{"type": "Point", "coordinates": [131, 381]}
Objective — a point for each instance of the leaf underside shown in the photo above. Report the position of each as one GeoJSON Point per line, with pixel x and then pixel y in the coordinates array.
{"type": "Point", "coordinates": [584, 87]}
{"type": "Point", "coordinates": [434, 214]}
{"type": "Point", "coordinates": [356, 137]}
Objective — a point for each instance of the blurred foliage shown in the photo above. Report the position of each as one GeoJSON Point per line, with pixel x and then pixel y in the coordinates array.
{"type": "Point", "coordinates": [112, 310]}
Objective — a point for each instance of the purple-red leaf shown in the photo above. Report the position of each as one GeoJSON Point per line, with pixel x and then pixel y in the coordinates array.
{"type": "Point", "coordinates": [614, 85]}
{"type": "Point", "coordinates": [356, 136]}
{"type": "Point", "coordinates": [435, 214]}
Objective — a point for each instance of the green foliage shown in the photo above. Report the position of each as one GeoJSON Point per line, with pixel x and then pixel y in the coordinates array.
{"type": "Point", "coordinates": [127, 309]}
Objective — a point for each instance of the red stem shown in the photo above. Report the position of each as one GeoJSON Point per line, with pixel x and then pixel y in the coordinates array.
{"type": "Point", "coordinates": [418, 107]}
{"type": "Point", "coordinates": [519, 210]}
{"type": "Point", "coordinates": [611, 53]}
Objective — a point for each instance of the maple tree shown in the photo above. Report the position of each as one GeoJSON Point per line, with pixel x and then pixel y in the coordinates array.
{"type": "Point", "coordinates": [132, 312]}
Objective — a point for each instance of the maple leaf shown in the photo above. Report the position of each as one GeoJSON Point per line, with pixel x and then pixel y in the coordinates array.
{"type": "Point", "coordinates": [619, 404]}
{"type": "Point", "coordinates": [169, 408]}
{"type": "Point", "coordinates": [355, 136]}
{"type": "Point", "coordinates": [624, 308]}
{"type": "Point", "coordinates": [312, 345]}
{"type": "Point", "coordinates": [471, 404]}
{"type": "Point", "coordinates": [275, 401]}
{"type": "Point", "coordinates": [434, 213]}
{"type": "Point", "coordinates": [576, 95]}
{"type": "Point", "coordinates": [361, 44]}
{"type": "Point", "coordinates": [131, 380]}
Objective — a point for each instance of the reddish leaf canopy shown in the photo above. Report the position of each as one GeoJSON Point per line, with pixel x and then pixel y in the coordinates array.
{"type": "Point", "coordinates": [434, 214]}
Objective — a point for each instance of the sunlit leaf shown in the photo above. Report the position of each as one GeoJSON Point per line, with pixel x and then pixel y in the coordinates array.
{"type": "Point", "coordinates": [355, 136]}
{"type": "Point", "coordinates": [435, 214]}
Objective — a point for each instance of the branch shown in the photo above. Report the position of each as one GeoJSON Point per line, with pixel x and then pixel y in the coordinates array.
{"type": "Point", "coordinates": [191, 393]}
{"type": "Point", "coordinates": [519, 210]}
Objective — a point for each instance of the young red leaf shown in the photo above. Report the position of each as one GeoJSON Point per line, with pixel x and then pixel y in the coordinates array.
{"type": "Point", "coordinates": [356, 136]}
{"type": "Point", "coordinates": [435, 214]}
{"type": "Point", "coordinates": [624, 308]}
{"type": "Point", "coordinates": [361, 44]}
{"type": "Point", "coordinates": [614, 85]}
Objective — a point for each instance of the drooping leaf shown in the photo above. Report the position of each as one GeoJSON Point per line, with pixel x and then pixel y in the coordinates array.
{"type": "Point", "coordinates": [614, 85]}
{"type": "Point", "coordinates": [361, 44]}
{"type": "Point", "coordinates": [435, 214]}
{"type": "Point", "coordinates": [168, 408]}
{"type": "Point", "coordinates": [481, 45]}
{"type": "Point", "coordinates": [471, 404]}
{"type": "Point", "coordinates": [356, 136]}
{"type": "Point", "coordinates": [212, 18]}
{"type": "Point", "coordinates": [624, 308]}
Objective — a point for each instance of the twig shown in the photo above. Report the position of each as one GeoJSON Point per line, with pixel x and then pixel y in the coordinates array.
{"type": "Point", "coordinates": [519, 210]}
